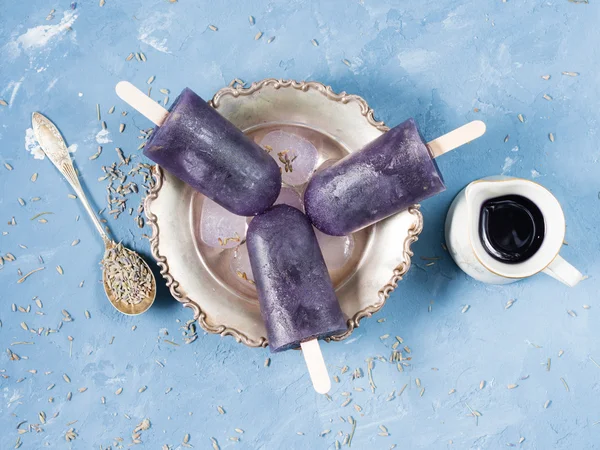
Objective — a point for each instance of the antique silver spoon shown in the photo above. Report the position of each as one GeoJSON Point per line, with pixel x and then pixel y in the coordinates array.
{"type": "Point", "coordinates": [128, 281]}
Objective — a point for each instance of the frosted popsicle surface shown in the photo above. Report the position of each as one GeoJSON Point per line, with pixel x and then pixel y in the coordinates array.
{"type": "Point", "coordinates": [297, 299]}
{"type": "Point", "coordinates": [386, 176]}
{"type": "Point", "coordinates": [206, 151]}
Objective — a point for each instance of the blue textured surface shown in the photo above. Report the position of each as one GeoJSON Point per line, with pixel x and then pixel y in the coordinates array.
{"type": "Point", "coordinates": [436, 61]}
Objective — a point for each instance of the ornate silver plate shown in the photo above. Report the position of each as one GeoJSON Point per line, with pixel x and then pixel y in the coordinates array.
{"type": "Point", "coordinates": [200, 277]}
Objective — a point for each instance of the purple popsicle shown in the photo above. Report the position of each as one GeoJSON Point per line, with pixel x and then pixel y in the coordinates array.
{"type": "Point", "coordinates": [386, 176]}
{"type": "Point", "coordinates": [297, 299]}
{"type": "Point", "coordinates": [203, 149]}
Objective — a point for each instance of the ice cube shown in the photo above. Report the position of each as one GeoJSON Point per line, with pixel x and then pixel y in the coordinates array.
{"type": "Point", "coordinates": [219, 227]}
{"type": "Point", "coordinates": [289, 196]}
{"type": "Point", "coordinates": [240, 264]}
{"type": "Point", "coordinates": [336, 250]}
{"type": "Point", "coordinates": [296, 156]}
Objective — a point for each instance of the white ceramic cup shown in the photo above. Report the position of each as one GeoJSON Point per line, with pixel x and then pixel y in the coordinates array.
{"type": "Point", "coordinates": [464, 243]}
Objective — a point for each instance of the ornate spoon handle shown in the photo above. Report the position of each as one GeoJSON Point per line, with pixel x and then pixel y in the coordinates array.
{"type": "Point", "coordinates": [55, 149]}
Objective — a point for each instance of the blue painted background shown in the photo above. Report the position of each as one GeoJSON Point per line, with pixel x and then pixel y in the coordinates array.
{"type": "Point", "coordinates": [444, 62]}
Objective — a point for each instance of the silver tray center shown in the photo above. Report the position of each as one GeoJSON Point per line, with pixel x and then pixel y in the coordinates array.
{"type": "Point", "coordinates": [219, 261]}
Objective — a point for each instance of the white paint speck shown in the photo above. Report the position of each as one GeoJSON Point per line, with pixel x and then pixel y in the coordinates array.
{"type": "Point", "coordinates": [80, 94]}
{"type": "Point", "coordinates": [508, 163]}
{"type": "Point", "coordinates": [103, 137]}
{"type": "Point", "coordinates": [535, 173]}
{"type": "Point", "coordinates": [158, 45]}
{"type": "Point", "coordinates": [16, 396]}
{"type": "Point", "coordinates": [418, 60]}
{"type": "Point", "coordinates": [515, 148]}
{"type": "Point", "coordinates": [32, 146]}
{"type": "Point", "coordinates": [154, 31]}
{"type": "Point", "coordinates": [51, 84]}
{"type": "Point", "coordinates": [350, 341]}
{"type": "Point", "coordinates": [456, 20]}
{"type": "Point", "coordinates": [12, 50]}
{"type": "Point", "coordinates": [40, 36]}
{"type": "Point", "coordinates": [72, 148]}
{"type": "Point", "coordinates": [116, 380]}
{"type": "Point", "coordinates": [15, 86]}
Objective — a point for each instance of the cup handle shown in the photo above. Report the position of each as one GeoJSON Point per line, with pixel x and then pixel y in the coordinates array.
{"type": "Point", "coordinates": [563, 272]}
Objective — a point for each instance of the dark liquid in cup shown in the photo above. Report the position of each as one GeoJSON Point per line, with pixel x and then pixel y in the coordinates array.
{"type": "Point", "coordinates": [511, 228]}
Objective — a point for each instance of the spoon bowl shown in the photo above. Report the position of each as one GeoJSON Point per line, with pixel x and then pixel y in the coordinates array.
{"type": "Point", "coordinates": [129, 309]}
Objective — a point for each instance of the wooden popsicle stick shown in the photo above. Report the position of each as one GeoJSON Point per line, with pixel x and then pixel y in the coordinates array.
{"type": "Point", "coordinates": [456, 138]}
{"type": "Point", "coordinates": [141, 102]}
{"type": "Point", "coordinates": [316, 366]}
